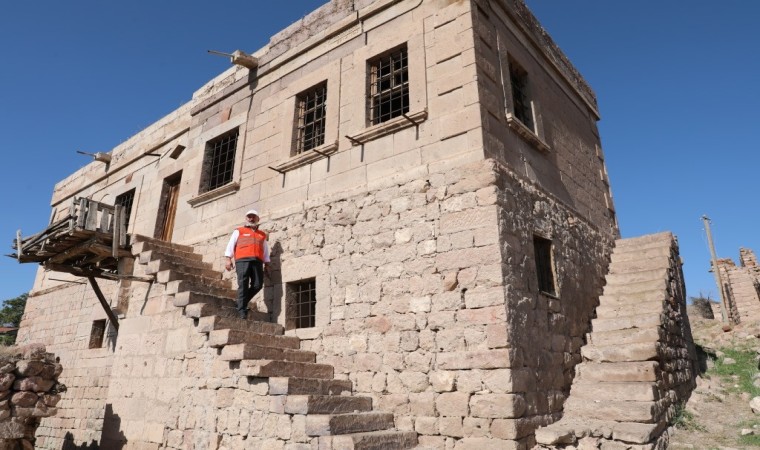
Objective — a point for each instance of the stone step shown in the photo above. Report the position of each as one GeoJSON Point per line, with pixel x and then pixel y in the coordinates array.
{"type": "Point", "coordinates": [663, 238]}
{"type": "Point", "coordinates": [220, 338]}
{"type": "Point", "coordinates": [182, 299]}
{"type": "Point", "coordinates": [642, 351]}
{"type": "Point", "coordinates": [332, 424]}
{"type": "Point", "coordinates": [189, 266]}
{"type": "Point", "coordinates": [623, 337]}
{"type": "Point", "coordinates": [634, 297]}
{"type": "Point", "coordinates": [610, 310]}
{"type": "Point", "coordinates": [623, 411]}
{"type": "Point", "coordinates": [628, 391]}
{"type": "Point", "coordinates": [208, 324]}
{"type": "Point", "coordinates": [220, 288]}
{"type": "Point", "coordinates": [198, 310]}
{"type": "Point", "coordinates": [655, 253]}
{"type": "Point", "coordinates": [636, 371]}
{"type": "Point", "coordinates": [209, 278]}
{"type": "Point", "coordinates": [636, 277]}
{"type": "Point", "coordinates": [373, 440]}
{"type": "Point", "coordinates": [239, 352]}
{"type": "Point", "coordinates": [635, 287]}
{"type": "Point", "coordinates": [268, 368]}
{"type": "Point", "coordinates": [177, 256]}
{"type": "Point", "coordinates": [637, 433]}
{"type": "Point", "coordinates": [639, 265]}
{"type": "Point", "coordinates": [326, 404]}
{"type": "Point", "coordinates": [643, 320]}
{"type": "Point", "coordinates": [147, 243]}
{"type": "Point", "coordinates": [308, 386]}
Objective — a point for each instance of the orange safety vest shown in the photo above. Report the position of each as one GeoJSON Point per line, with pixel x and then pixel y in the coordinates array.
{"type": "Point", "coordinates": [250, 244]}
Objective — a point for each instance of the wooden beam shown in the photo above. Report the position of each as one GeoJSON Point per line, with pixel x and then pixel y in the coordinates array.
{"type": "Point", "coordinates": [104, 303]}
{"type": "Point", "coordinates": [18, 245]}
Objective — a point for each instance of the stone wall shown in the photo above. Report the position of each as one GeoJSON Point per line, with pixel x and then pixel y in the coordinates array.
{"type": "Point", "coordinates": [61, 318]}
{"type": "Point", "coordinates": [29, 391]}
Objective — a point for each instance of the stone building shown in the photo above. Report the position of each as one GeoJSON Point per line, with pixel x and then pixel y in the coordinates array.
{"type": "Point", "coordinates": [432, 180]}
{"type": "Point", "coordinates": [741, 286]}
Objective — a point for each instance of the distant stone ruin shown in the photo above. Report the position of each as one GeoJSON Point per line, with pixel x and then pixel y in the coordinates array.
{"type": "Point", "coordinates": [741, 286]}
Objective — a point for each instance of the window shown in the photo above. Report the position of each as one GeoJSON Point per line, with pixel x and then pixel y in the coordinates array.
{"type": "Point", "coordinates": [125, 200]}
{"type": "Point", "coordinates": [388, 86]}
{"type": "Point", "coordinates": [310, 119]}
{"type": "Point", "coordinates": [543, 251]}
{"type": "Point", "coordinates": [219, 161]}
{"type": "Point", "coordinates": [521, 101]}
{"type": "Point", "coordinates": [97, 333]}
{"type": "Point", "coordinates": [301, 304]}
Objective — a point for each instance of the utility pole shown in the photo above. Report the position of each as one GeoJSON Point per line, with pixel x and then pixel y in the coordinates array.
{"type": "Point", "coordinates": [716, 272]}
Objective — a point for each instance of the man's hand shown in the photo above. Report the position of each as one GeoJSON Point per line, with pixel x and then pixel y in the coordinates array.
{"type": "Point", "coordinates": [229, 265]}
{"type": "Point", "coordinates": [266, 270]}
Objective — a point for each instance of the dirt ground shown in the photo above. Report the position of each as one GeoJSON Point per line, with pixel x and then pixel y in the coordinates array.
{"type": "Point", "coordinates": [718, 415]}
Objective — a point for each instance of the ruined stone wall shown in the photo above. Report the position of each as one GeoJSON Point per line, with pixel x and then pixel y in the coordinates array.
{"type": "Point", "coordinates": [742, 286]}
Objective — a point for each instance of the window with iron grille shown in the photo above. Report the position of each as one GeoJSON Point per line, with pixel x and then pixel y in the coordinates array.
{"type": "Point", "coordinates": [520, 94]}
{"type": "Point", "coordinates": [543, 251]}
{"type": "Point", "coordinates": [97, 333]}
{"type": "Point", "coordinates": [388, 86]}
{"type": "Point", "coordinates": [301, 304]}
{"type": "Point", "coordinates": [310, 119]}
{"type": "Point", "coordinates": [125, 200]}
{"type": "Point", "coordinates": [219, 161]}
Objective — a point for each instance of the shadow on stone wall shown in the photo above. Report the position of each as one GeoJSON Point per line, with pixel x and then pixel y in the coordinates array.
{"type": "Point", "coordinates": [112, 438]}
{"type": "Point", "coordinates": [68, 444]}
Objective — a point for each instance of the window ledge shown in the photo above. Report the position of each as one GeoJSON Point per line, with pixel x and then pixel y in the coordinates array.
{"type": "Point", "coordinates": [307, 157]}
{"type": "Point", "coordinates": [526, 133]}
{"type": "Point", "coordinates": [389, 127]}
{"type": "Point", "coordinates": [202, 199]}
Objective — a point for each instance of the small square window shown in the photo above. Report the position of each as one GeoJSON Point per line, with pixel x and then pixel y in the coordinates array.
{"type": "Point", "coordinates": [521, 101]}
{"type": "Point", "coordinates": [311, 112]}
{"type": "Point", "coordinates": [301, 304]}
{"type": "Point", "coordinates": [388, 86]}
{"type": "Point", "coordinates": [544, 268]}
{"type": "Point", "coordinates": [219, 161]}
{"type": "Point", "coordinates": [125, 200]}
{"type": "Point", "coordinates": [97, 333]}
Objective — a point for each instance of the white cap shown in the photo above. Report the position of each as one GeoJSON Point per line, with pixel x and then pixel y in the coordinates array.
{"type": "Point", "coordinates": [252, 211]}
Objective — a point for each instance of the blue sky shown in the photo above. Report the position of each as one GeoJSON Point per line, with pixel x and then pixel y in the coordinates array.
{"type": "Point", "coordinates": [677, 84]}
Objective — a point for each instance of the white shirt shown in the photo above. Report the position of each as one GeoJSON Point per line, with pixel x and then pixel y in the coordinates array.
{"type": "Point", "coordinates": [230, 251]}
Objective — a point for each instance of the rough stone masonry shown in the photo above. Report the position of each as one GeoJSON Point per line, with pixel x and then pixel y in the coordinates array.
{"type": "Point", "coordinates": [439, 244]}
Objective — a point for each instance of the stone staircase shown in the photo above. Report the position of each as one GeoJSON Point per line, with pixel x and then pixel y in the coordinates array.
{"type": "Point", "coordinates": [259, 348]}
{"type": "Point", "coordinates": [638, 363]}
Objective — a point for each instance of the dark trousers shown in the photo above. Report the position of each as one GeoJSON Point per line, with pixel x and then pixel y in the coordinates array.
{"type": "Point", "coordinates": [250, 275]}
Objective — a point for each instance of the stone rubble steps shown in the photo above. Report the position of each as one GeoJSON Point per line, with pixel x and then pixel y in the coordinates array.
{"type": "Point", "coordinates": [377, 440]}
{"type": "Point", "coordinates": [239, 352]}
{"type": "Point", "coordinates": [309, 386]}
{"type": "Point", "coordinates": [258, 348]}
{"type": "Point", "coordinates": [616, 384]}
{"type": "Point", "coordinates": [225, 337]}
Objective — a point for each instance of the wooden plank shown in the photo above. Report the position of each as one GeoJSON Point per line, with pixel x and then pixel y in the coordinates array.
{"type": "Point", "coordinates": [92, 216]}
{"type": "Point", "coordinates": [82, 212]}
{"type": "Point", "coordinates": [18, 244]}
{"type": "Point", "coordinates": [116, 231]}
{"type": "Point", "coordinates": [104, 303]}
{"type": "Point", "coordinates": [76, 250]}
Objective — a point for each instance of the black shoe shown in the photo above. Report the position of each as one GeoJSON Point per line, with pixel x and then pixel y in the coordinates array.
{"type": "Point", "coordinates": [243, 314]}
